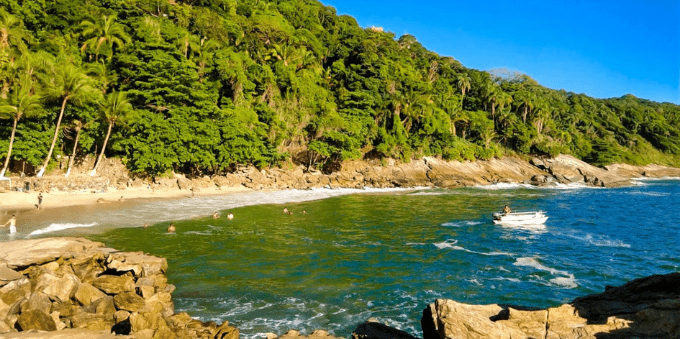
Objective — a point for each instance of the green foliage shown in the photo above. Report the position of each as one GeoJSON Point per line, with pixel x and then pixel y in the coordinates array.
{"type": "Point", "coordinates": [215, 84]}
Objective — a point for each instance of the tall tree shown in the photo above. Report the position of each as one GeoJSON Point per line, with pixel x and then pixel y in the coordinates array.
{"type": "Point", "coordinates": [525, 99]}
{"type": "Point", "coordinates": [68, 83]}
{"type": "Point", "coordinates": [12, 36]}
{"type": "Point", "coordinates": [115, 108]}
{"type": "Point", "coordinates": [22, 101]}
{"type": "Point", "coordinates": [106, 33]}
{"type": "Point", "coordinates": [77, 126]}
{"type": "Point", "coordinates": [463, 83]}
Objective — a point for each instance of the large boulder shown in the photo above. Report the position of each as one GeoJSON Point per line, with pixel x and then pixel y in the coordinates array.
{"type": "Point", "coordinates": [38, 301]}
{"type": "Point", "coordinates": [24, 253]}
{"type": "Point", "coordinates": [128, 301]}
{"type": "Point", "coordinates": [111, 284]}
{"type": "Point", "coordinates": [8, 275]}
{"type": "Point", "coordinates": [644, 308]}
{"type": "Point", "coordinates": [36, 320]}
{"type": "Point", "coordinates": [372, 329]}
{"type": "Point", "coordinates": [140, 264]}
{"type": "Point", "coordinates": [61, 289]}
{"type": "Point", "coordinates": [577, 171]}
{"type": "Point", "coordinates": [87, 294]}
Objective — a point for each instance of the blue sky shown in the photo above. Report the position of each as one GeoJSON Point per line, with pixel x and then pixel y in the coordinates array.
{"type": "Point", "coordinates": [601, 48]}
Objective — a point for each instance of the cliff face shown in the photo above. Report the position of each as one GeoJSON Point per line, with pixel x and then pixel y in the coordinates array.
{"type": "Point", "coordinates": [80, 286]}
{"type": "Point", "coordinates": [643, 308]}
{"type": "Point", "coordinates": [426, 172]}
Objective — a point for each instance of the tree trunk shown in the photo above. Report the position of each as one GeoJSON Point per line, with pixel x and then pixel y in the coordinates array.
{"type": "Point", "coordinates": [9, 151]}
{"type": "Point", "coordinates": [524, 116]}
{"type": "Point", "coordinates": [54, 139]}
{"type": "Point", "coordinates": [101, 155]}
{"type": "Point", "coordinates": [73, 154]}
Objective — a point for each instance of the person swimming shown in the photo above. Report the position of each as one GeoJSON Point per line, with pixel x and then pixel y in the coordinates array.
{"type": "Point", "coordinates": [285, 210]}
{"type": "Point", "coordinates": [230, 216]}
{"type": "Point", "coordinates": [215, 215]}
{"type": "Point", "coordinates": [171, 228]}
{"type": "Point", "coordinates": [12, 224]}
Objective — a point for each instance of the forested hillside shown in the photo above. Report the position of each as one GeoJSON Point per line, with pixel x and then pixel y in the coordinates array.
{"type": "Point", "coordinates": [200, 86]}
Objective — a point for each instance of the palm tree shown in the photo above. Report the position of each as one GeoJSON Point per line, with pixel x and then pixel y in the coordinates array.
{"type": "Point", "coordinates": [104, 33]}
{"type": "Point", "coordinates": [12, 36]}
{"type": "Point", "coordinates": [463, 82]}
{"type": "Point", "coordinates": [77, 126]}
{"type": "Point", "coordinates": [504, 99]}
{"type": "Point", "coordinates": [12, 33]}
{"type": "Point", "coordinates": [116, 108]}
{"type": "Point", "coordinates": [188, 42]}
{"type": "Point", "coordinates": [69, 83]}
{"type": "Point", "coordinates": [21, 101]}
{"type": "Point", "coordinates": [491, 93]}
{"type": "Point", "coordinates": [525, 99]}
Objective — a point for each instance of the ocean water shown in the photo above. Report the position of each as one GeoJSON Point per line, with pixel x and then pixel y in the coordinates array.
{"type": "Point", "coordinates": [357, 254]}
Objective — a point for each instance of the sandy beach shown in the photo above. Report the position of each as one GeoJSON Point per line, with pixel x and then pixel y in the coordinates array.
{"type": "Point", "coordinates": [14, 200]}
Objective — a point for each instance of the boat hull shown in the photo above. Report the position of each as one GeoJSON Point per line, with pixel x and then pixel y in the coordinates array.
{"type": "Point", "coordinates": [531, 218]}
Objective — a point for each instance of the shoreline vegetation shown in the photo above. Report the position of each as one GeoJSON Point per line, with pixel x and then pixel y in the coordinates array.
{"type": "Point", "coordinates": [114, 183]}
{"type": "Point", "coordinates": [205, 88]}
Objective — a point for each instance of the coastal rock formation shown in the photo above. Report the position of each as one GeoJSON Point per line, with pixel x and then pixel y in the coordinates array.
{"type": "Point", "coordinates": [425, 172]}
{"type": "Point", "coordinates": [372, 329]}
{"type": "Point", "coordinates": [566, 169]}
{"type": "Point", "coordinates": [644, 308]}
{"type": "Point", "coordinates": [61, 284]}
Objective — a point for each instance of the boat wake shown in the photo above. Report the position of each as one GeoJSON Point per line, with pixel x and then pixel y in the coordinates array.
{"type": "Point", "coordinates": [566, 280]}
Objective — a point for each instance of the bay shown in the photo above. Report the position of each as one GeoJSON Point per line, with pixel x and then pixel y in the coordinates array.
{"type": "Point", "coordinates": [387, 254]}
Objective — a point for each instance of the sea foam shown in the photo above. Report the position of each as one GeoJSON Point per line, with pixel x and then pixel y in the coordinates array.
{"type": "Point", "coordinates": [567, 280]}
{"type": "Point", "coordinates": [60, 227]}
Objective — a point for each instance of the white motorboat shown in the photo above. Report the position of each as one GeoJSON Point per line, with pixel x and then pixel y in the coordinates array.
{"type": "Point", "coordinates": [520, 218]}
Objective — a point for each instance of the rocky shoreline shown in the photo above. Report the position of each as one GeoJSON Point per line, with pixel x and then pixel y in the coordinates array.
{"type": "Point", "coordinates": [76, 288]}
{"type": "Point", "coordinates": [425, 172]}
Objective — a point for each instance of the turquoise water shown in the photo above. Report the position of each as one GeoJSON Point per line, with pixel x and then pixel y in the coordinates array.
{"type": "Point", "coordinates": [388, 254]}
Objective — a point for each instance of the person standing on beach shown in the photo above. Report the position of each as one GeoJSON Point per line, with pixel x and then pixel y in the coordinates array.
{"type": "Point", "coordinates": [12, 224]}
{"type": "Point", "coordinates": [40, 199]}
{"type": "Point", "coordinates": [171, 228]}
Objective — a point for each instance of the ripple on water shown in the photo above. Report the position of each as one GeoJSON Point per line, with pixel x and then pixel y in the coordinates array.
{"type": "Point", "coordinates": [388, 255]}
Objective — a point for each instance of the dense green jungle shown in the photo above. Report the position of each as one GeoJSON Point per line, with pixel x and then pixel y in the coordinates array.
{"type": "Point", "coordinates": [202, 86]}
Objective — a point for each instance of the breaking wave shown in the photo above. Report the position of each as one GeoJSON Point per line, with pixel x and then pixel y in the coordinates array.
{"type": "Point", "coordinates": [60, 227]}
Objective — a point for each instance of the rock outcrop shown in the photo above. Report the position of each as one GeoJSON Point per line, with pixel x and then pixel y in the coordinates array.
{"type": "Point", "coordinates": [643, 308]}
{"type": "Point", "coordinates": [82, 289]}
{"type": "Point", "coordinates": [425, 172]}
{"type": "Point", "coordinates": [372, 329]}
